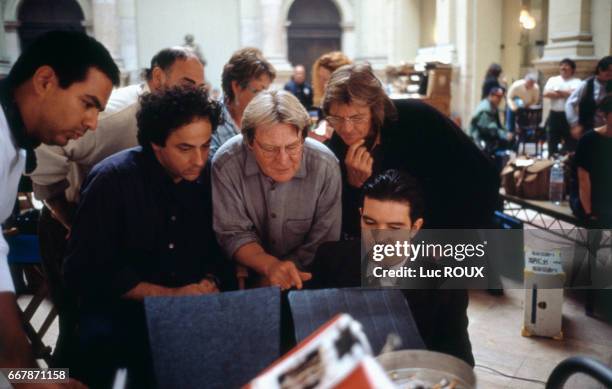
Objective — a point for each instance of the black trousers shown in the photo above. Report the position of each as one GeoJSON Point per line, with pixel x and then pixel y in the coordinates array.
{"type": "Point", "coordinates": [52, 241]}
{"type": "Point", "coordinates": [559, 130]}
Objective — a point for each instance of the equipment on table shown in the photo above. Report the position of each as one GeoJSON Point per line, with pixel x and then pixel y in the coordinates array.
{"type": "Point", "coordinates": [427, 369]}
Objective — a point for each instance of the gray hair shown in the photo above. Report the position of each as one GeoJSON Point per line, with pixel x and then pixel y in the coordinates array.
{"type": "Point", "coordinates": [274, 107]}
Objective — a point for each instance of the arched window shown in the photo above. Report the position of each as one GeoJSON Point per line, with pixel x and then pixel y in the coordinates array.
{"type": "Point", "coordinates": [39, 16]}
{"type": "Point", "coordinates": [314, 29]}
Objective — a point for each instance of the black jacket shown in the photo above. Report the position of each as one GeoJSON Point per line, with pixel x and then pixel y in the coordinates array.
{"type": "Point", "coordinates": [460, 183]}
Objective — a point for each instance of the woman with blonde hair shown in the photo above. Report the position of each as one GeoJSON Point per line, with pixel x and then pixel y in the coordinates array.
{"type": "Point", "coordinates": [322, 69]}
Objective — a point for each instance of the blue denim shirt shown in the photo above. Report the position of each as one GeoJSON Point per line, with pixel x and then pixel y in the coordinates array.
{"type": "Point", "coordinates": [224, 131]}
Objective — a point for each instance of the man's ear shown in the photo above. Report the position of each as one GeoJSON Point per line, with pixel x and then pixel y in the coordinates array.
{"type": "Point", "coordinates": [158, 78]}
{"type": "Point", "coordinates": [416, 226]}
{"type": "Point", "coordinates": [360, 211]}
{"type": "Point", "coordinates": [44, 79]}
{"type": "Point", "coordinates": [155, 148]}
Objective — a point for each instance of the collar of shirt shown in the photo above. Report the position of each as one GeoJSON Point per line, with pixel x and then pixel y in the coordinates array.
{"type": "Point", "coordinates": [16, 126]}
{"type": "Point", "coordinates": [227, 118]}
{"type": "Point", "coordinates": [251, 167]}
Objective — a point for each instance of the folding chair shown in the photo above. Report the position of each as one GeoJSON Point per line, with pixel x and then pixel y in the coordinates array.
{"type": "Point", "coordinates": [213, 341]}
{"type": "Point", "coordinates": [528, 128]}
{"type": "Point", "coordinates": [24, 254]}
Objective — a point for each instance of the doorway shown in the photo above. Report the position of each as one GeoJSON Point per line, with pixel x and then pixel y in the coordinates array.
{"type": "Point", "coordinates": [39, 16]}
{"type": "Point", "coordinates": [314, 29]}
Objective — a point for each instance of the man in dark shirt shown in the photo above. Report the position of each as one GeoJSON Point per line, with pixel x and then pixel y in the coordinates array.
{"type": "Point", "coordinates": [299, 87]}
{"type": "Point", "coordinates": [144, 228]}
{"type": "Point", "coordinates": [594, 161]}
{"type": "Point", "coordinates": [392, 202]}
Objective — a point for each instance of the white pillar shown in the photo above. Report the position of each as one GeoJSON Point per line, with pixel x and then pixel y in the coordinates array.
{"type": "Point", "coordinates": [475, 19]}
{"type": "Point", "coordinates": [274, 34]}
{"type": "Point", "coordinates": [372, 34]}
{"type": "Point", "coordinates": [251, 23]}
{"type": "Point", "coordinates": [128, 46]}
{"type": "Point", "coordinates": [106, 27]}
{"type": "Point", "coordinates": [404, 32]}
{"type": "Point", "coordinates": [569, 35]}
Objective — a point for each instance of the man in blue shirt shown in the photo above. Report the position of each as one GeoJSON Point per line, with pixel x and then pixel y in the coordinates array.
{"type": "Point", "coordinates": [299, 87]}
{"type": "Point", "coordinates": [144, 228]}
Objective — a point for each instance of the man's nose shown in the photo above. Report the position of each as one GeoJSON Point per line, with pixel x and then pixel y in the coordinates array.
{"type": "Point", "coordinates": [199, 159]}
{"type": "Point", "coordinates": [282, 157]}
{"type": "Point", "coordinates": [91, 119]}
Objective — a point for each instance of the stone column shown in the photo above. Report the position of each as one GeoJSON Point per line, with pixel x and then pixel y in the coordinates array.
{"type": "Point", "coordinates": [470, 51]}
{"type": "Point", "coordinates": [274, 39]}
{"type": "Point", "coordinates": [569, 35]}
{"type": "Point", "coordinates": [250, 23]}
{"type": "Point", "coordinates": [404, 34]}
{"type": "Point", "coordinates": [373, 27]}
{"type": "Point", "coordinates": [106, 27]}
{"type": "Point", "coordinates": [128, 45]}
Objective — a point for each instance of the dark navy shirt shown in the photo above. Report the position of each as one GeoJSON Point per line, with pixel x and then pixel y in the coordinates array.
{"type": "Point", "coordinates": [134, 224]}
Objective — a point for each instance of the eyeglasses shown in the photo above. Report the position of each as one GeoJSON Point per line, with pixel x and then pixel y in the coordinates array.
{"type": "Point", "coordinates": [292, 149]}
{"type": "Point", "coordinates": [337, 121]}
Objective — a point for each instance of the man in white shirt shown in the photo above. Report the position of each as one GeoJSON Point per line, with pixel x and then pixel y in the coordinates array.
{"type": "Point", "coordinates": [62, 169]}
{"type": "Point", "coordinates": [53, 93]}
{"type": "Point", "coordinates": [558, 89]}
{"type": "Point", "coordinates": [522, 94]}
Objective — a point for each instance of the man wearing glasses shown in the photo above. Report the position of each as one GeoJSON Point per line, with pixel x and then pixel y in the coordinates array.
{"type": "Point", "coordinates": [276, 194]}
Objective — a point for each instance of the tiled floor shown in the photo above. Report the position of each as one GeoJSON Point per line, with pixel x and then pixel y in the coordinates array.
{"type": "Point", "coordinates": [495, 331]}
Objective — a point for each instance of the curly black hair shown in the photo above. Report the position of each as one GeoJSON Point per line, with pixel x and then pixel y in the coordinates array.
{"type": "Point", "coordinates": [165, 111]}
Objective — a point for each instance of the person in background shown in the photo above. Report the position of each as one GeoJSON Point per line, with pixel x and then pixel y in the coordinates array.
{"type": "Point", "coordinates": [322, 69]}
{"type": "Point", "coordinates": [154, 238]}
{"type": "Point", "coordinates": [276, 193]}
{"type": "Point", "coordinates": [485, 126]}
{"type": "Point", "coordinates": [299, 87]}
{"type": "Point", "coordinates": [558, 89]}
{"type": "Point", "coordinates": [393, 201]}
{"type": "Point", "coordinates": [245, 75]}
{"type": "Point", "coordinates": [594, 161]}
{"type": "Point", "coordinates": [52, 94]}
{"type": "Point", "coordinates": [581, 107]}
{"type": "Point", "coordinates": [492, 80]}
{"type": "Point", "coordinates": [522, 94]}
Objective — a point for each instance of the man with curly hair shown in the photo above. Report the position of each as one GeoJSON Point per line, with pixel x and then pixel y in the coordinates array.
{"type": "Point", "coordinates": [144, 228]}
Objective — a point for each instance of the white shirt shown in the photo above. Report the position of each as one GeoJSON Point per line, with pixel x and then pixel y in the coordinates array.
{"type": "Point", "coordinates": [65, 168]}
{"type": "Point", "coordinates": [556, 84]}
{"type": "Point", "coordinates": [12, 166]}
{"type": "Point", "coordinates": [529, 96]}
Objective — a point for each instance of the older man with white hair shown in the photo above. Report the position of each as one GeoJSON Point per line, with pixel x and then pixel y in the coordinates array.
{"type": "Point", "coordinates": [276, 193]}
